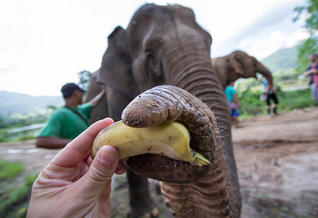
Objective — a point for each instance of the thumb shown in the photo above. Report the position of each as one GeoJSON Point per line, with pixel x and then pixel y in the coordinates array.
{"type": "Point", "coordinates": [100, 171]}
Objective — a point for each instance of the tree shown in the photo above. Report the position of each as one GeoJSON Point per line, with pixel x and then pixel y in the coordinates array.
{"type": "Point", "coordinates": [51, 107]}
{"type": "Point", "coordinates": [310, 45]}
{"type": "Point", "coordinates": [84, 77]}
{"type": "Point", "coordinates": [2, 123]}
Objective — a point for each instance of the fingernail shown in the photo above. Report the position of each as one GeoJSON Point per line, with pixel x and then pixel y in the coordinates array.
{"type": "Point", "coordinates": [107, 156]}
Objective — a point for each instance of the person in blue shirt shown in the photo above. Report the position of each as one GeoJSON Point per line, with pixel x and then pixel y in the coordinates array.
{"type": "Point", "coordinates": [233, 102]}
{"type": "Point", "coordinates": [270, 94]}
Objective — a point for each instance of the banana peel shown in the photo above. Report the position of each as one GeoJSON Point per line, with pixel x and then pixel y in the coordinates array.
{"type": "Point", "coordinates": [170, 139]}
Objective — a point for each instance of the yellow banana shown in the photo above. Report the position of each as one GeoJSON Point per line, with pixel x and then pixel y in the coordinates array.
{"type": "Point", "coordinates": [169, 139]}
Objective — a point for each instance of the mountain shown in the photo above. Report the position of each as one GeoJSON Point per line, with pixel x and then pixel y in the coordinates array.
{"type": "Point", "coordinates": [13, 103]}
{"type": "Point", "coordinates": [282, 59]}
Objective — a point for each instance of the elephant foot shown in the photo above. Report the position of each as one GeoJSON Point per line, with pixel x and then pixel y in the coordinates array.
{"type": "Point", "coordinates": [141, 202]}
{"type": "Point", "coordinates": [153, 213]}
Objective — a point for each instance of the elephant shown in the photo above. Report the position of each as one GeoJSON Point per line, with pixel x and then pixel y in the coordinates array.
{"type": "Point", "coordinates": [101, 109]}
{"type": "Point", "coordinates": [165, 53]}
{"type": "Point", "coordinates": [239, 64]}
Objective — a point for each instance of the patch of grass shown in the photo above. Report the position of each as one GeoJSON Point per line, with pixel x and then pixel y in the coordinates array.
{"type": "Point", "coordinates": [3, 139]}
{"type": "Point", "coordinates": [3, 136]}
{"type": "Point", "coordinates": [251, 104]}
{"type": "Point", "coordinates": [14, 196]}
{"type": "Point", "coordinates": [25, 137]}
{"type": "Point", "coordinates": [9, 170]}
{"type": "Point", "coordinates": [14, 201]}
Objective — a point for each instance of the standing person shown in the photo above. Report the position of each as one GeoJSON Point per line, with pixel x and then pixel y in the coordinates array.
{"type": "Point", "coordinates": [69, 121]}
{"type": "Point", "coordinates": [233, 102]}
{"type": "Point", "coordinates": [312, 73]}
{"type": "Point", "coordinates": [269, 92]}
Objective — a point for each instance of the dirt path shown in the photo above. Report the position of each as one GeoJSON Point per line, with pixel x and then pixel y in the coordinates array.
{"type": "Point", "coordinates": [277, 161]}
{"type": "Point", "coordinates": [33, 158]}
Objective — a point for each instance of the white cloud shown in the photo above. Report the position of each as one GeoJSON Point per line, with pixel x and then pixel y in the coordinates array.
{"type": "Point", "coordinates": [296, 37]}
{"type": "Point", "coordinates": [44, 44]}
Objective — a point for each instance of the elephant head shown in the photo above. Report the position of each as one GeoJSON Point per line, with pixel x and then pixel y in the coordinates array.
{"type": "Point", "coordinates": [239, 64]}
{"type": "Point", "coordinates": [163, 45]}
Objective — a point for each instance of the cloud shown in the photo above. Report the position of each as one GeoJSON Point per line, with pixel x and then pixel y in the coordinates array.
{"type": "Point", "coordinates": [262, 47]}
{"type": "Point", "coordinates": [271, 17]}
{"type": "Point", "coordinates": [43, 44]}
{"type": "Point", "coordinates": [266, 34]}
{"type": "Point", "coordinates": [296, 37]}
{"type": "Point", "coordinates": [51, 42]}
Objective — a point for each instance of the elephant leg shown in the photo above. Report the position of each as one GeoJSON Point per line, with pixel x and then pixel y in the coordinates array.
{"type": "Point", "coordinates": [139, 196]}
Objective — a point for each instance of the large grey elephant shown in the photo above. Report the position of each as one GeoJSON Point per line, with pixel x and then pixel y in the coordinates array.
{"type": "Point", "coordinates": [163, 45]}
{"type": "Point", "coordinates": [239, 64]}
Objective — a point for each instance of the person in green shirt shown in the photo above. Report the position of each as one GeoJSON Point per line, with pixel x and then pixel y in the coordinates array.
{"type": "Point", "coordinates": [67, 122]}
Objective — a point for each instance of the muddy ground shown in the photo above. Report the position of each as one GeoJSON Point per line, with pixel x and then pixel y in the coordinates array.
{"type": "Point", "coordinates": [277, 160]}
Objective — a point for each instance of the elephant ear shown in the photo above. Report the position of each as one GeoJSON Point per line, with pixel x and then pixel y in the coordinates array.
{"type": "Point", "coordinates": [116, 69]}
{"type": "Point", "coordinates": [237, 64]}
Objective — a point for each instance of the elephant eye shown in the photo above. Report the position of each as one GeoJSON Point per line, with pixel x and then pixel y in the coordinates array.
{"type": "Point", "coordinates": [150, 54]}
{"type": "Point", "coordinates": [254, 61]}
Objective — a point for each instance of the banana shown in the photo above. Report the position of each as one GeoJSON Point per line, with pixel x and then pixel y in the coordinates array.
{"type": "Point", "coordinates": [169, 139]}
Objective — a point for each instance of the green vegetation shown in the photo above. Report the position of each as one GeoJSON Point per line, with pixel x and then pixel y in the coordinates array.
{"type": "Point", "coordinates": [311, 8]}
{"type": "Point", "coordinates": [310, 46]}
{"type": "Point", "coordinates": [311, 24]}
{"type": "Point", "coordinates": [8, 135]}
{"type": "Point", "coordinates": [10, 170]}
{"type": "Point", "coordinates": [251, 104]}
{"type": "Point", "coordinates": [84, 77]}
{"type": "Point", "coordinates": [14, 196]}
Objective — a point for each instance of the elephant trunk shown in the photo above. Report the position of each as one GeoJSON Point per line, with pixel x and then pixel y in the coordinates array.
{"type": "Point", "coordinates": [217, 194]}
{"type": "Point", "coordinates": [260, 68]}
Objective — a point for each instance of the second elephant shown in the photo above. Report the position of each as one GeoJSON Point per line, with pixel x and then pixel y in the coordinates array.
{"type": "Point", "coordinates": [239, 64]}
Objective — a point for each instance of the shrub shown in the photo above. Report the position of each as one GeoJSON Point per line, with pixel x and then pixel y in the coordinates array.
{"type": "Point", "coordinates": [288, 100]}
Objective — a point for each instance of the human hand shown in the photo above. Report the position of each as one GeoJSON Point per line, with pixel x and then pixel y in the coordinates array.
{"type": "Point", "coordinates": [74, 185]}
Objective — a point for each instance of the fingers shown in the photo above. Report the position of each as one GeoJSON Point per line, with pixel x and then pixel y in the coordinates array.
{"type": "Point", "coordinates": [81, 146]}
{"type": "Point", "coordinates": [121, 167]}
{"type": "Point", "coordinates": [100, 171]}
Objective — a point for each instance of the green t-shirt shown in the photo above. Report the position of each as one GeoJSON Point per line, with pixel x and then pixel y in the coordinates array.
{"type": "Point", "coordinates": [65, 123]}
{"type": "Point", "coordinates": [229, 92]}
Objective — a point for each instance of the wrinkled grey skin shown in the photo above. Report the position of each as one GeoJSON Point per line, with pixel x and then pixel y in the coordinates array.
{"type": "Point", "coordinates": [165, 45]}
{"type": "Point", "coordinates": [100, 111]}
{"type": "Point", "coordinates": [239, 64]}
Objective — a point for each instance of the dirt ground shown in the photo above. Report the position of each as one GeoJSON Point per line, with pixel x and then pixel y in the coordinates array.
{"type": "Point", "coordinates": [277, 160]}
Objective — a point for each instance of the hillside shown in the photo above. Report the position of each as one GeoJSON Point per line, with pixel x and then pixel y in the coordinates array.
{"type": "Point", "coordinates": [12, 103]}
{"type": "Point", "coordinates": [282, 59]}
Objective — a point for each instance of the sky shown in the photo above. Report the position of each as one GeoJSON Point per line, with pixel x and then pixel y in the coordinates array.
{"type": "Point", "coordinates": [44, 44]}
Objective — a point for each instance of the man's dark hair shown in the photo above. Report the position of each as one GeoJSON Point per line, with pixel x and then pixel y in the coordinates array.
{"type": "Point", "coordinates": [229, 81]}
{"type": "Point", "coordinates": [69, 88]}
